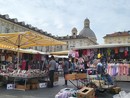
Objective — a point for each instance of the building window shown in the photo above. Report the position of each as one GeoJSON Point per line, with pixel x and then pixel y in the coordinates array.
{"type": "Point", "coordinates": [80, 42]}
{"type": "Point", "coordinates": [73, 43]}
{"type": "Point", "coordinates": [119, 41]}
{"type": "Point", "coordinates": [36, 48]}
{"type": "Point", "coordinates": [67, 47]}
{"type": "Point", "coordinates": [115, 39]}
{"type": "Point", "coordinates": [61, 47]}
{"type": "Point", "coordinates": [7, 30]}
{"type": "Point", "coordinates": [47, 49]}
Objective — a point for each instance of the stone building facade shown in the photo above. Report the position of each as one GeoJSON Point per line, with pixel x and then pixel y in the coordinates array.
{"type": "Point", "coordinates": [85, 37]}
{"type": "Point", "coordinates": [8, 25]}
{"type": "Point", "coordinates": [117, 38]}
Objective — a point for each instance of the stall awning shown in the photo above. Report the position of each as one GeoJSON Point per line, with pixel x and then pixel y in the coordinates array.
{"type": "Point", "coordinates": [59, 56]}
{"type": "Point", "coordinates": [60, 52]}
{"type": "Point", "coordinates": [103, 46]}
{"type": "Point", "coordinates": [31, 51]}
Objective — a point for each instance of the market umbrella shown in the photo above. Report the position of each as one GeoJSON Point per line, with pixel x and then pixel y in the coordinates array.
{"type": "Point", "coordinates": [27, 39]}
{"type": "Point", "coordinates": [6, 47]}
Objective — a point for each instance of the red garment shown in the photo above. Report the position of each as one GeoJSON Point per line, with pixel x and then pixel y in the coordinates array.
{"type": "Point", "coordinates": [126, 53]}
{"type": "Point", "coordinates": [85, 52]}
{"type": "Point", "coordinates": [23, 65]}
{"type": "Point", "coordinates": [37, 57]}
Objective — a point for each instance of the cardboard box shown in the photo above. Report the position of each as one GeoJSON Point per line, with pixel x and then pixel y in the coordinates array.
{"type": "Point", "coordinates": [34, 86]}
{"type": "Point", "coordinates": [86, 92]}
{"type": "Point", "coordinates": [10, 86]}
{"type": "Point", "coordinates": [27, 87]}
{"type": "Point", "coordinates": [43, 85]}
{"type": "Point", "coordinates": [115, 90]}
{"type": "Point", "coordinates": [33, 81]}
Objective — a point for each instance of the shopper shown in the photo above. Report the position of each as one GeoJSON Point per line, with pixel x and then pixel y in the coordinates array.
{"type": "Point", "coordinates": [65, 69]}
{"type": "Point", "coordinates": [73, 65]}
{"type": "Point", "coordinates": [52, 66]}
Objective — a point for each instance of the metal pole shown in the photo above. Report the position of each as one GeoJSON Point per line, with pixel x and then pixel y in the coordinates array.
{"type": "Point", "coordinates": [18, 59]}
{"type": "Point", "coordinates": [18, 51]}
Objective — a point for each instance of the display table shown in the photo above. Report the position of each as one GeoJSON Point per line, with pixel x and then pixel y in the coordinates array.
{"type": "Point", "coordinates": [78, 77]}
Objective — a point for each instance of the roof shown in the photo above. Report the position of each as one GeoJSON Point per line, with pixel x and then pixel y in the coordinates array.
{"type": "Point", "coordinates": [77, 37]}
{"type": "Point", "coordinates": [14, 20]}
{"type": "Point", "coordinates": [87, 32]}
{"type": "Point", "coordinates": [124, 33]}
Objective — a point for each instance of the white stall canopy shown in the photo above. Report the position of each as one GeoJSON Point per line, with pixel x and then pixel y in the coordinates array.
{"type": "Point", "coordinates": [103, 46]}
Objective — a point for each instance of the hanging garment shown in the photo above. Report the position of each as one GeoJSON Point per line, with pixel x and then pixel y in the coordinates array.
{"type": "Point", "coordinates": [109, 69]}
{"type": "Point", "coordinates": [23, 65]}
{"type": "Point", "coordinates": [88, 52]}
{"type": "Point", "coordinates": [76, 54]}
{"type": "Point", "coordinates": [116, 50]}
{"type": "Point", "coordinates": [126, 53]}
{"type": "Point", "coordinates": [80, 53]}
{"type": "Point", "coordinates": [99, 55]}
{"type": "Point", "coordinates": [121, 49]}
{"type": "Point", "coordinates": [84, 52]}
{"type": "Point", "coordinates": [120, 69]}
{"type": "Point", "coordinates": [108, 51]}
{"type": "Point", "coordinates": [125, 69]}
{"type": "Point", "coordinates": [2, 58]}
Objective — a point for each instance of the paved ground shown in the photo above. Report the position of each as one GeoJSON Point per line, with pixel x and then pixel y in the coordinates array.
{"type": "Point", "coordinates": [51, 92]}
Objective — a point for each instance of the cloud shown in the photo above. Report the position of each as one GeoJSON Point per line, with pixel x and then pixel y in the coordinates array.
{"type": "Point", "coordinates": [60, 16]}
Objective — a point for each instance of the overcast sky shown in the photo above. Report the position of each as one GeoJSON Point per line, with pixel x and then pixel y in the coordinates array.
{"type": "Point", "coordinates": [58, 17]}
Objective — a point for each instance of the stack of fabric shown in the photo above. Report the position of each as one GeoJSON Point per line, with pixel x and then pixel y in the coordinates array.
{"type": "Point", "coordinates": [67, 93]}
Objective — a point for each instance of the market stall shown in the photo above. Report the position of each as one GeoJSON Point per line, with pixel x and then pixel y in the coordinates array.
{"type": "Point", "coordinates": [103, 65]}
{"type": "Point", "coordinates": [31, 68]}
{"type": "Point", "coordinates": [20, 40]}
{"type": "Point", "coordinates": [27, 39]}
{"type": "Point", "coordinates": [115, 58]}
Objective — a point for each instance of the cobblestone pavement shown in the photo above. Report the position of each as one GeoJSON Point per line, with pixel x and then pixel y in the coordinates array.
{"type": "Point", "coordinates": [51, 92]}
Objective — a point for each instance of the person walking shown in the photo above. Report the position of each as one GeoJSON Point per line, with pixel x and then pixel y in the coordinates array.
{"type": "Point", "coordinates": [52, 66]}
{"type": "Point", "coordinates": [65, 69]}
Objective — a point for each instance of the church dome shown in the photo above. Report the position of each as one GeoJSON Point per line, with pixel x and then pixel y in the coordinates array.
{"type": "Point", "coordinates": [74, 30]}
{"type": "Point", "coordinates": [86, 31]}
